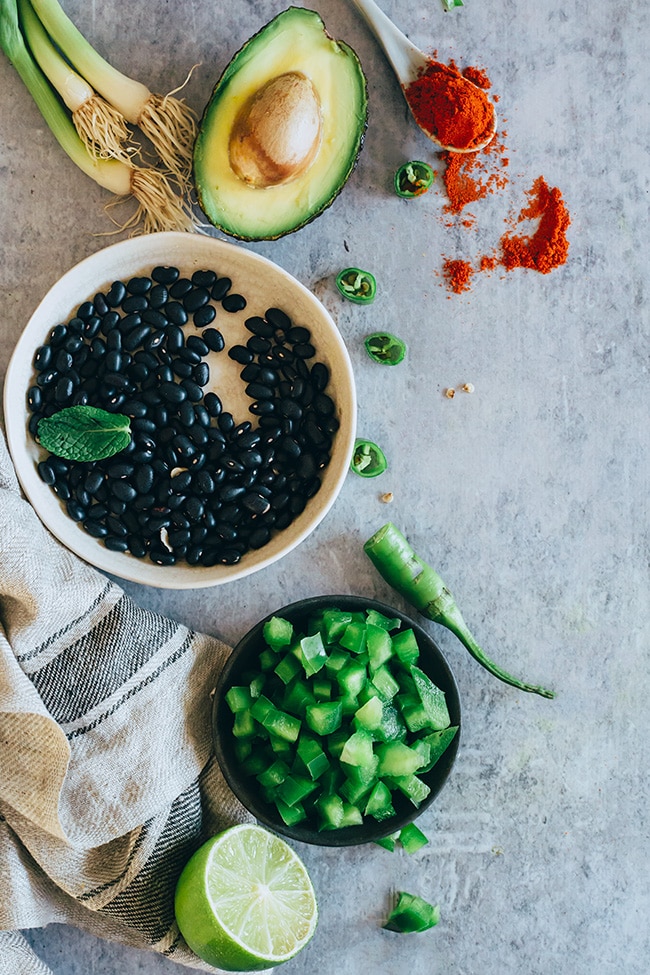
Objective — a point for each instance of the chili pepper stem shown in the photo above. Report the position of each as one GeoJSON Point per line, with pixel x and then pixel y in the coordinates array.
{"type": "Point", "coordinates": [417, 582]}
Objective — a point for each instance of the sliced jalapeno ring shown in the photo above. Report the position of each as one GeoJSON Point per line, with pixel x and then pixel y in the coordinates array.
{"type": "Point", "coordinates": [413, 179]}
{"type": "Point", "coordinates": [385, 348]}
{"type": "Point", "coordinates": [368, 460]}
{"type": "Point", "coordinates": [356, 285]}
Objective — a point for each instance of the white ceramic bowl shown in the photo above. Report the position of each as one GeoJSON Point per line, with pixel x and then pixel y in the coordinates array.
{"type": "Point", "coordinates": [264, 285]}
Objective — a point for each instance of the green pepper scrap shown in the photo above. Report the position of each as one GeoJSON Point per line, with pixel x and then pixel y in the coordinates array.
{"type": "Point", "coordinates": [413, 179]}
{"type": "Point", "coordinates": [385, 348]}
{"type": "Point", "coordinates": [368, 460]}
{"type": "Point", "coordinates": [356, 285]}
{"type": "Point", "coordinates": [450, 4]}
{"type": "Point", "coordinates": [412, 913]}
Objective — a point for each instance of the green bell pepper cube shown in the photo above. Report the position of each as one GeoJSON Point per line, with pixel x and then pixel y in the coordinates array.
{"type": "Point", "coordinates": [413, 787]}
{"type": "Point", "coordinates": [438, 742]}
{"type": "Point", "coordinates": [325, 717]}
{"type": "Point", "coordinates": [295, 788]}
{"type": "Point", "coordinates": [314, 654]}
{"type": "Point", "coordinates": [369, 715]}
{"type": "Point", "coordinates": [312, 756]}
{"type": "Point", "coordinates": [244, 725]}
{"type": "Point", "coordinates": [290, 814]}
{"type": "Point", "coordinates": [274, 774]}
{"type": "Point", "coordinates": [405, 646]}
{"type": "Point", "coordinates": [358, 749]}
{"type": "Point", "coordinates": [334, 623]}
{"type": "Point", "coordinates": [287, 668]}
{"type": "Point", "coordinates": [353, 637]}
{"type": "Point", "coordinates": [380, 646]}
{"type": "Point", "coordinates": [282, 724]}
{"type": "Point", "coordinates": [278, 632]}
{"type": "Point", "coordinates": [378, 619]}
{"type": "Point", "coordinates": [396, 758]}
{"type": "Point", "coordinates": [433, 699]}
{"type": "Point", "coordinates": [412, 914]}
{"type": "Point", "coordinates": [412, 838]}
{"type": "Point", "coordinates": [385, 683]}
{"type": "Point", "coordinates": [330, 811]}
{"type": "Point", "coordinates": [380, 805]}
{"type": "Point", "coordinates": [239, 699]}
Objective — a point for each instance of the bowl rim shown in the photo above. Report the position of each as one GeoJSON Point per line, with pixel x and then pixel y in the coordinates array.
{"type": "Point", "coordinates": [126, 258]}
{"type": "Point", "coordinates": [348, 835]}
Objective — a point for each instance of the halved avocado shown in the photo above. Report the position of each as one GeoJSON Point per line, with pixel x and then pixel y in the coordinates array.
{"type": "Point", "coordinates": [293, 62]}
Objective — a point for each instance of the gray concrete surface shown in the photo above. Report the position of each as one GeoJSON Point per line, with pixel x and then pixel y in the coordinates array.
{"type": "Point", "coordinates": [529, 495]}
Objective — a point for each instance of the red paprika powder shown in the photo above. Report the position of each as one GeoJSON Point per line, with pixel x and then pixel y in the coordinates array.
{"type": "Point", "coordinates": [547, 247]}
{"type": "Point", "coordinates": [449, 107]}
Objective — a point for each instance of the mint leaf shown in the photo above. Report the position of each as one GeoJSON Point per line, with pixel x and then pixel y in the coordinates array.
{"type": "Point", "coordinates": [84, 433]}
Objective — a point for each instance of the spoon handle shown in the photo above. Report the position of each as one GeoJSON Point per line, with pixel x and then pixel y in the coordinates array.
{"type": "Point", "coordinates": [406, 59]}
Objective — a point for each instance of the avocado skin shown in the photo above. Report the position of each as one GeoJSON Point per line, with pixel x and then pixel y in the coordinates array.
{"type": "Point", "coordinates": [252, 49]}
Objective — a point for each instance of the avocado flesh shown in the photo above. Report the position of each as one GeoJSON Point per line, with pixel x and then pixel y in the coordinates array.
{"type": "Point", "coordinates": [294, 41]}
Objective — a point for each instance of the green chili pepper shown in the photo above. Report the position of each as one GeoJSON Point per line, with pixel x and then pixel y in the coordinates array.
{"type": "Point", "coordinates": [406, 572]}
{"type": "Point", "coordinates": [356, 285]}
{"type": "Point", "coordinates": [368, 460]}
{"type": "Point", "coordinates": [386, 348]}
{"type": "Point", "coordinates": [413, 179]}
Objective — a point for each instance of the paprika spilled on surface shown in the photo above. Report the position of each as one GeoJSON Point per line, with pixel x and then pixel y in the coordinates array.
{"type": "Point", "coordinates": [468, 178]}
{"type": "Point", "coordinates": [450, 107]}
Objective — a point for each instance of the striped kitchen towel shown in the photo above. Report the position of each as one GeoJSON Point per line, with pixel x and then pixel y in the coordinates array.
{"type": "Point", "coordinates": [107, 778]}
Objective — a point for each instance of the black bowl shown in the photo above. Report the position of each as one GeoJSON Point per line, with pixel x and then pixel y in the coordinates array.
{"type": "Point", "coordinates": [244, 657]}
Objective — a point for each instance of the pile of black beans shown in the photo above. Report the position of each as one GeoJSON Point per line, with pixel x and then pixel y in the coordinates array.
{"type": "Point", "coordinates": [193, 485]}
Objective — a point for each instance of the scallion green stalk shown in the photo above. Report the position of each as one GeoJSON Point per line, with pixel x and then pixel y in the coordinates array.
{"type": "Point", "coordinates": [168, 123]}
{"type": "Point", "coordinates": [100, 126]}
{"type": "Point", "coordinates": [159, 208]}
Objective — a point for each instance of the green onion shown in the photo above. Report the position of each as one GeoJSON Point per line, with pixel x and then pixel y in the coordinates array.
{"type": "Point", "coordinates": [169, 124]}
{"type": "Point", "coordinates": [385, 348]}
{"type": "Point", "coordinates": [356, 285]}
{"type": "Point", "coordinates": [368, 459]}
{"type": "Point", "coordinates": [100, 126]}
{"type": "Point", "coordinates": [413, 179]}
{"type": "Point", "coordinates": [159, 208]}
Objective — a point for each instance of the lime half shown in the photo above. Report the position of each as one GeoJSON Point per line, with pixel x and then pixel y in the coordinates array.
{"type": "Point", "coordinates": [244, 902]}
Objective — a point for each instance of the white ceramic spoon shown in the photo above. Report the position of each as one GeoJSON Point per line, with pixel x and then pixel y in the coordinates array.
{"type": "Point", "coordinates": [408, 62]}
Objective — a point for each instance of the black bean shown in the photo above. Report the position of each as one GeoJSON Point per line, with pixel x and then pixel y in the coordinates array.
{"type": "Point", "coordinates": [95, 528]}
{"type": "Point", "coordinates": [196, 299]}
{"type": "Point", "coordinates": [202, 415]}
{"type": "Point", "coordinates": [134, 303]}
{"type": "Point", "coordinates": [76, 326]}
{"type": "Point", "coordinates": [165, 274]}
{"type": "Point", "coordinates": [92, 326]}
{"type": "Point", "coordinates": [93, 481]}
{"type": "Point", "coordinates": [256, 503]}
{"type": "Point", "coordinates": [204, 482]}
{"type": "Point", "coordinates": [233, 303]}
{"type": "Point", "coordinates": [158, 296]}
{"type": "Point", "coordinates": [172, 392]}
{"type": "Point", "coordinates": [136, 337]}
{"type": "Point", "coordinates": [110, 321]}
{"type": "Point", "coordinates": [58, 335]}
{"type": "Point", "coordinates": [220, 288]}
{"type": "Point", "coordinates": [144, 478]}
{"type": "Point", "coordinates": [129, 321]}
{"type": "Point", "coordinates": [258, 391]}
{"type": "Point", "coordinates": [43, 358]}
{"type": "Point", "coordinates": [180, 288]}
{"type": "Point", "coordinates": [64, 389]}
{"type": "Point", "coordinates": [201, 374]}
{"type": "Point", "coordinates": [34, 398]}
{"type": "Point", "coordinates": [73, 343]}
{"type": "Point", "coordinates": [278, 318]}
{"type": "Point", "coordinates": [116, 294]}
{"type": "Point", "coordinates": [196, 344]}
{"type": "Point", "coordinates": [46, 473]}
{"type": "Point", "coordinates": [155, 318]}
{"type": "Point", "coordinates": [194, 508]}
{"type": "Point", "coordinates": [99, 303]}
{"type": "Point", "coordinates": [290, 446]}
{"type": "Point", "coordinates": [259, 326]}
{"type": "Point", "coordinates": [298, 334]}
{"type": "Point", "coordinates": [164, 374]}
{"type": "Point", "coordinates": [137, 546]}
{"type": "Point", "coordinates": [174, 339]}
{"type": "Point", "coordinates": [259, 538]}
{"type": "Point", "coordinates": [182, 369]}
{"type": "Point", "coordinates": [213, 404]}
{"type": "Point", "coordinates": [186, 413]}
{"type": "Point", "coordinates": [239, 353]}
{"type": "Point", "coordinates": [116, 526]}
{"type": "Point", "coordinates": [263, 407]}
{"type": "Point", "coordinates": [139, 285]}
{"type": "Point", "coordinates": [258, 345]}
{"type": "Point", "coordinates": [155, 340]}
{"type": "Point", "coordinates": [305, 350]}
{"type": "Point", "coordinates": [115, 544]}
{"type": "Point", "coordinates": [320, 376]}
{"type": "Point", "coordinates": [192, 390]}
{"type": "Point", "coordinates": [290, 408]}
{"type": "Point", "coordinates": [175, 313]}
{"type": "Point", "coordinates": [204, 316]}
{"type": "Point", "coordinates": [162, 557]}
{"type": "Point", "coordinates": [135, 408]}
{"type": "Point", "coordinates": [189, 355]}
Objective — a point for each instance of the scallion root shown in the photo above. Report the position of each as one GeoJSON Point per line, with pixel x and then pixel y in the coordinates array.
{"type": "Point", "coordinates": [170, 125]}
{"type": "Point", "coordinates": [103, 129]}
{"type": "Point", "coordinates": [159, 206]}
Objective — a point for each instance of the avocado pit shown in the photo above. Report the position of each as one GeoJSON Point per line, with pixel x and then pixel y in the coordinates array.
{"type": "Point", "coordinates": [277, 133]}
